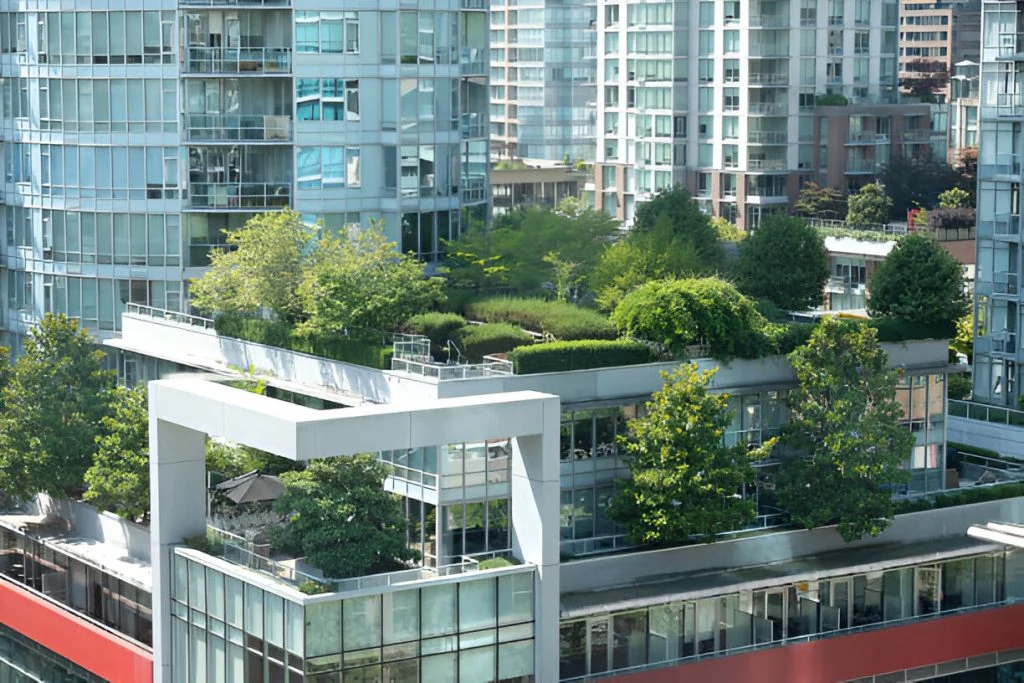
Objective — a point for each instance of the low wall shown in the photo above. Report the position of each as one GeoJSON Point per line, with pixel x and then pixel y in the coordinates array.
{"type": "Point", "coordinates": [1001, 438]}
{"type": "Point", "coordinates": [620, 570]}
{"type": "Point", "coordinates": [105, 527]}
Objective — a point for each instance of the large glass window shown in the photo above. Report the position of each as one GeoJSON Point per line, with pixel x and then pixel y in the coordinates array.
{"type": "Point", "coordinates": [327, 32]}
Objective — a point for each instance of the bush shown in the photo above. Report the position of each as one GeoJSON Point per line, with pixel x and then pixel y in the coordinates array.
{"type": "Point", "coordinates": [579, 355]}
{"type": "Point", "coordinates": [831, 100]}
{"type": "Point", "coordinates": [676, 314]}
{"type": "Point", "coordinates": [477, 341]}
{"type": "Point", "coordinates": [310, 587]}
{"type": "Point", "coordinates": [496, 563]}
{"type": "Point", "coordinates": [951, 219]}
{"type": "Point", "coordinates": [562, 320]}
{"type": "Point", "coordinates": [788, 337]}
{"type": "Point", "coordinates": [958, 386]}
{"type": "Point", "coordinates": [282, 335]}
{"type": "Point", "coordinates": [896, 330]}
{"type": "Point", "coordinates": [438, 327]}
{"type": "Point", "coordinates": [964, 496]}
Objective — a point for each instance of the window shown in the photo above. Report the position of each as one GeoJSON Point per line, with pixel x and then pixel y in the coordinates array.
{"type": "Point", "coordinates": [327, 99]}
{"type": "Point", "coordinates": [327, 32]}
{"type": "Point", "coordinates": [318, 167]}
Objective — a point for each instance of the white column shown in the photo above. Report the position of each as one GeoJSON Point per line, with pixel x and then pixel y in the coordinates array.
{"type": "Point", "coordinates": [177, 481]}
{"type": "Point", "coordinates": [535, 530]}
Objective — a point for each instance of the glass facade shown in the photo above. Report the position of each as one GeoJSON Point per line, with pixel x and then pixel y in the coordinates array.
{"type": "Point", "coordinates": [25, 661]}
{"type": "Point", "coordinates": [475, 630]}
{"type": "Point", "coordinates": [793, 610]}
{"type": "Point", "coordinates": [81, 587]}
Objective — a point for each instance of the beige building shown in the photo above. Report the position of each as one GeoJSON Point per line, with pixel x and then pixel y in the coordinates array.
{"type": "Point", "coordinates": [936, 35]}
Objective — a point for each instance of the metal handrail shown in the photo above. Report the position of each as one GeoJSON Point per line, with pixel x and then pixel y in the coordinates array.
{"type": "Point", "coordinates": [972, 410]}
{"type": "Point", "coordinates": [231, 127]}
{"type": "Point", "coordinates": [238, 59]}
{"type": "Point", "coordinates": [166, 314]}
{"type": "Point", "coordinates": [239, 195]}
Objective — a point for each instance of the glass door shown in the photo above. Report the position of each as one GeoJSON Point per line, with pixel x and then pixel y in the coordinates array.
{"type": "Point", "coordinates": [927, 590]}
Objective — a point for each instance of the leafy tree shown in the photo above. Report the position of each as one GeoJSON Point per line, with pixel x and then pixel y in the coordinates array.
{"type": "Point", "coordinates": [341, 519]}
{"type": "Point", "coordinates": [868, 206]}
{"type": "Point", "coordinates": [785, 262]}
{"type": "Point", "coordinates": [232, 460]}
{"type": "Point", "coordinates": [844, 447]}
{"type": "Point", "coordinates": [524, 239]}
{"type": "Point", "coordinates": [914, 182]}
{"type": "Point", "coordinates": [685, 481]}
{"type": "Point", "coordinates": [263, 269]}
{"type": "Point", "coordinates": [727, 232]}
{"type": "Point", "coordinates": [955, 198]}
{"type": "Point", "coordinates": [6, 370]}
{"type": "Point", "coordinates": [963, 342]}
{"type": "Point", "coordinates": [360, 283]}
{"type": "Point", "coordinates": [118, 479]}
{"type": "Point", "coordinates": [709, 311]}
{"type": "Point", "coordinates": [815, 201]}
{"type": "Point", "coordinates": [565, 276]}
{"type": "Point", "coordinates": [686, 221]}
{"type": "Point", "coordinates": [920, 282]}
{"type": "Point", "coordinates": [52, 407]}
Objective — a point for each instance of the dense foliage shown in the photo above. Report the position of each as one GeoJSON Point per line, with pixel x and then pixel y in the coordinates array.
{"type": "Point", "coordinates": [918, 182]}
{"type": "Point", "coordinates": [560, 319]}
{"type": "Point", "coordinates": [341, 519]}
{"type": "Point", "coordinates": [868, 206]}
{"type": "Point", "coordinates": [845, 447]}
{"type": "Point", "coordinates": [826, 203]}
{"type": "Point", "coordinates": [578, 355]}
{"type": "Point", "coordinates": [785, 262]}
{"type": "Point", "coordinates": [919, 282]}
{"type": "Point", "coordinates": [684, 481]}
{"type": "Point", "coordinates": [118, 479]}
{"type": "Point", "coordinates": [477, 341]}
{"type": "Point", "coordinates": [676, 314]}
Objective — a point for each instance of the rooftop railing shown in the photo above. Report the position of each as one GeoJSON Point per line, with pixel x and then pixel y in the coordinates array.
{"type": "Point", "coordinates": [173, 316]}
{"type": "Point", "coordinates": [238, 60]}
{"type": "Point", "coordinates": [886, 228]}
{"type": "Point", "coordinates": [986, 413]}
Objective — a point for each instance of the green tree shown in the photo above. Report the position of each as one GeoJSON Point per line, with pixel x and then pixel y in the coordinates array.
{"type": "Point", "coordinates": [360, 283]}
{"type": "Point", "coordinates": [920, 282]}
{"type": "Point", "coordinates": [6, 371]}
{"type": "Point", "coordinates": [709, 311]}
{"type": "Point", "coordinates": [963, 342]}
{"type": "Point", "coordinates": [232, 460]}
{"type": "Point", "coordinates": [262, 268]}
{"type": "Point", "coordinates": [52, 407]}
{"type": "Point", "coordinates": [341, 519]}
{"type": "Point", "coordinates": [955, 198]}
{"type": "Point", "coordinates": [868, 206]}
{"type": "Point", "coordinates": [845, 447]}
{"type": "Point", "coordinates": [684, 481]}
{"type": "Point", "coordinates": [815, 201]}
{"type": "Point", "coordinates": [687, 222]}
{"type": "Point", "coordinates": [565, 276]}
{"type": "Point", "coordinates": [118, 479]}
{"type": "Point", "coordinates": [915, 182]}
{"type": "Point", "coordinates": [785, 262]}
{"type": "Point", "coordinates": [727, 232]}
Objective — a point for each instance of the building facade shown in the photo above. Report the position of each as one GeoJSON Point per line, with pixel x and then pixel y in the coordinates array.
{"type": "Point", "coordinates": [934, 36]}
{"type": "Point", "coordinates": [722, 97]}
{"type": "Point", "coordinates": [132, 138]}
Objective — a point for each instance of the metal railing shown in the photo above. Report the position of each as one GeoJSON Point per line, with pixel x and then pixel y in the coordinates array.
{"type": "Point", "coordinates": [768, 79]}
{"type": "Point", "coordinates": [887, 228]}
{"type": "Point", "coordinates": [1004, 164]}
{"type": "Point", "coordinates": [239, 195]}
{"type": "Point", "coordinates": [863, 138]}
{"type": "Point", "coordinates": [861, 165]}
{"type": "Point", "coordinates": [232, 127]}
{"type": "Point", "coordinates": [1009, 104]}
{"type": "Point", "coordinates": [1011, 43]}
{"type": "Point", "coordinates": [235, 3]}
{"type": "Point", "coordinates": [172, 316]}
{"type": "Point", "coordinates": [768, 108]}
{"type": "Point", "coordinates": [238, 60]}
{"type": "Point", "coordinates": [759, 137]}
{"type": "Point", "coordinates": [985, 413]}
{"type": "Point", "coordinates": [767, 164]}
{"type": "Point", "coordinates": [763, 21]}
{"type": "Point", "coordinates": [1004, 282]}
{"type": "Point", "coordinates": [918, 134]}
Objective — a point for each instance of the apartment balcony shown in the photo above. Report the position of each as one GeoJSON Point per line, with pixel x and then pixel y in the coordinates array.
{"type": "Point", "coordinates": [863, 138]}
{"type": "Point", "coordinates": [474, 61]}
{"type": "Point", "coordinates": [762, 79]}
{"type": "Point", "coordinates": [1009, 105]}
{"type": "Point", "coordinates": [241, 61]}
{"type": "Point", "coordinates": [757, 50]}
{"type": "Point", "coordinates": [238, 195]}
{"type": "Point", "coordinates": [1004, 228]}
{"type": "Point", "coordinates": [767, 109]}
{"type": "Point", "coordinates": [917, 135]}
{"type": "Point", "coordinates": [854, 166]}
{"type": "Point", "coordinates": [768, 21]}
{"type": "Point", "coordinates": [767, 165]}
{"type": "Point", "coordinates": [1005, 283]}
{"type": "Point", "coordinates": [761, 137]}
{"type": "Point", "coordinates": [1011, 46]}
{"type": "Point", "coordinates": [212, 4]}
{"type": "Point", "coordinates": [230, 128]}
{"type": "Point", "coordinates": [1004, 165]}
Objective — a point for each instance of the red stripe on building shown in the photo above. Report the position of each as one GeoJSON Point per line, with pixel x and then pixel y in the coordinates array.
{"type": "Point", "coordinates": [75, 639]}
{"type": "Point", "coordinates": [842, 658]}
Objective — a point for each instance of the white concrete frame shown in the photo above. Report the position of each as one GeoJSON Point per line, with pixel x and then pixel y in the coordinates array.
{"type": "Point", "coordinates": [182, 412]}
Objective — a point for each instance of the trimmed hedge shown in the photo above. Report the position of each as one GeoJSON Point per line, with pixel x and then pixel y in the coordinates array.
{"type": "Point", "coordinates": [896, 330]}
{"type": "Point", "coordinates": [562, 320]}
{"type": "Point", "coordinates": [438, 327]}
{"type": "Point", "coordinates": [964, 496]}
{"type": "Point", "coordinates": [477, 341]}
{"type": "Point", "coordinates": [281, 335]}
{"type": "Point", "coordinates": [579, 355]}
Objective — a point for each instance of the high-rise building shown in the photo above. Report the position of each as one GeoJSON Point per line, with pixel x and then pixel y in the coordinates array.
{"type": "Point", "coordinates": [133, 137]}
{"type": "Point", "coordinates": [722, 97]}
{"type": "Point", "coordinates": [934, 36]}
{"type": "Point", "coordinates": [998, 296]}
{"type": "Point", "coordinates": [543, 79]}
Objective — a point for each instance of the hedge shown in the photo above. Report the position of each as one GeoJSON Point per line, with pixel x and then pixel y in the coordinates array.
{"type": "Point", "coordinates": [579, 355]}
{"type": "Point", "coordinates": [562, 320]}
{"type": "Point", "coordinates": [788, 337]}
{"type": "Point", "coordinates": [282, 335]}
{"type": "Point", "coordinates": [438, 327]}
{"type": "Point", "coordinates": [964, 496]}
{"type": "Point", "coordinates": [477, 341]}
{"type": "Point", "coordinates": [896, 330]}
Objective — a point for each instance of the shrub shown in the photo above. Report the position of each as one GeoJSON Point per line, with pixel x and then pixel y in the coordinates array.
{"type": "Point", "coordinates": [896, 330]}
{"type": "Point", "coordinates": [788, 337]}
{"type": "Point", "coordinates": [562, 320]}
{"type": "Point", "coordinates": [831, 100]}
{"type": "Point", "coordinates": [676, 314]}
{"type": "Point", "coordinates": [958, 386]}
{"type": "Point", "coordinates": [579, 355]}
{"type": "Point", "coordinates": [269, 332]}
{"type": "Point", "coordinates": [438, 327]}
{"type": "Point", "coordinates": [496, 563]}
{"type": "Point", "coordinates": [477, 341]}
{"type": "Point", "coordinates": [310, 587]}
{"type": "Point", "coordinates": [964, 496]}
{"type": "Point", "coordinates": [951, 219]}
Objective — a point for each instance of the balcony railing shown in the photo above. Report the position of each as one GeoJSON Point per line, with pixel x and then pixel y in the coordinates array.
{"type": "Point", "coordinates": [173, 316]}
{"type": "Point", "coordinates": [235, 3]}
{"type": "Point", "coordinates": [1004, 164]}
{"type": "Point", "coordinates": [759, 50]}
{"type": "Point", "coordinates": [767, 165]}
{"type": "Point", "coordinates": [767, 109]}
{"type": "Point", "coordinates": [769, 21]}
{"type": "Point", "coordinates": [985, 413]}
{"type": "Point", "coordinates": [863, 138]}
{"type": "Point", "coordinates": [887, 228]}
{"type": "Point", "coordinates": [231, 127]}
{"type": "Point", "coordinates": [917, 135]}
{"type": "Point", "coordinates": [768, 79]}
{"type": "Point", "coordinates": [473, 61]}
{"type": "Point", "coordinates": [236, 60]}
{"type": "Point", "coordinates": [760, 137]}
{"type": "Point", "coordinates": [239, 195]}
{"type": "Point", "coordinates": [1004, 282]}
{"type": "Point", "coordinates": [1009, 105]}
{"type": "Point", "coordinates": [861, 166]}
{"type": "Point", "coordinates": [1011, 44]}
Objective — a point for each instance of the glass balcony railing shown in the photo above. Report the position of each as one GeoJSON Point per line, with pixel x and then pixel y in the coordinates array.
{"type": "Point", "coordinates": [767, 165]}
{"type": "Point", "coordinates": [986, 413]}
{"type": "Point", "coordinates": [238, 60]}
{"type": "Point", "coordinates": [235, 3]}
{"type": "Point", "coordinates": [861, 166]}
{"type": "Point", "coordinates": [760, 137]}
{"type": "Point", "coordinates": [239, 195]}
{"type": "Point", "coordinates": [232, 127]}
{"type": "Point", "coordinates": [1009, 105]}
{"type": "Point", "coordinates": [767, 109]}
{"type": "Point", "coordinates": [768, 79]}
{"type": "Point", "coordinates": [769, 21]}
{"type": "Point", "coordinates": [1004, 164]}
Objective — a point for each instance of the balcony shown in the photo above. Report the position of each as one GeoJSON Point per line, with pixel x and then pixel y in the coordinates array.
{"type": "Point", "coordinates": [767, 109]}
{"type": "Point", "coordinates": [233, 128]}
{"type": "Point", "coordinates": [861, 166]}
{"type": "Point", "coordinates": [238, 195]}
{"type": "Point", "coordinates": [771, 50]}
{"type": "Point", "coordinates": [235, 60]}
{"type": "Point", "coordinates": [917, 135]}
{"type": "Point", "coordinates": [767, 165]}
{"type": "Point", "coordinates": [768, 79]}
{"type": "Point", "coordinates": [761, 137]}
{"type": "Point", "coordinates": [1011, 45]}
{"type": "Point", "coordinates": [473, 61]}
{"type": "Point", "coordinates": [1005, 282]}
{"type": "Point", "coordinates": [1004, 165]}
{"type": "Point", "coordinates": [235, 3]}
{"type": "Point", "coordinates": [862, 138]}
{"type": "Point", "coordinates": [1009, 105]}
{"type": "Point", "coordinates": [769, 21]}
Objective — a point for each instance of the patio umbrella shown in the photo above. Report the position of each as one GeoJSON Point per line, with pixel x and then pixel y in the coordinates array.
{"type": "Point", "coordinates": [252, 487]}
